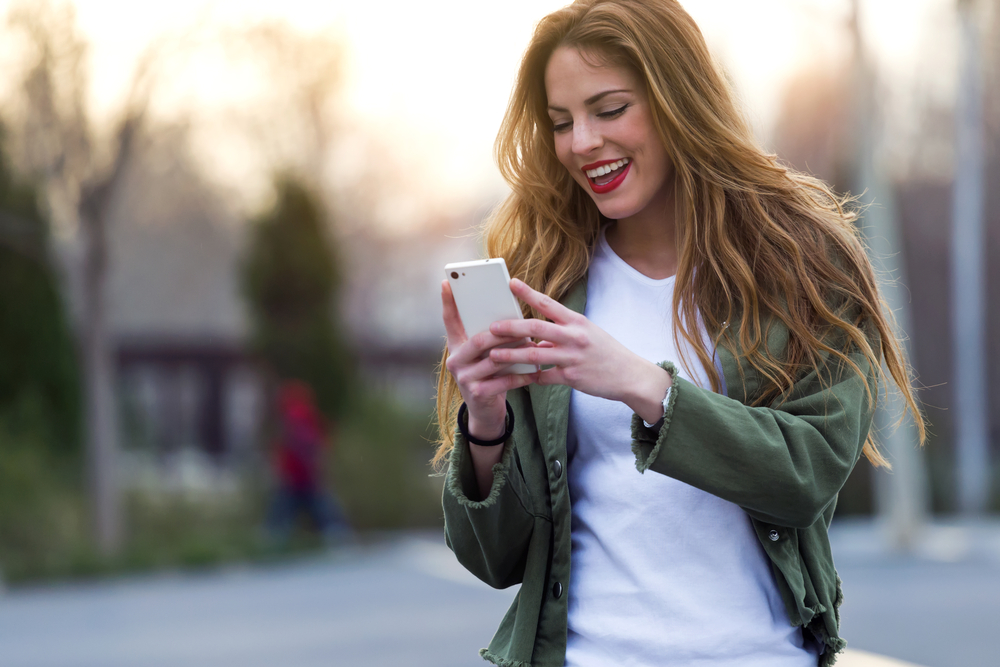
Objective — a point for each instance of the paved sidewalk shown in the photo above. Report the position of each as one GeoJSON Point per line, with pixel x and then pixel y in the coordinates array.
{"type": "Point", "coordinates": [858, 540]}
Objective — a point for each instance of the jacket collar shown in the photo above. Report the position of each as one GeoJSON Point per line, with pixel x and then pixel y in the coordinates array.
{"type": "Point", "coordinates": [550, 403]}
{"type": "Point", "coordinates": [576, 297]}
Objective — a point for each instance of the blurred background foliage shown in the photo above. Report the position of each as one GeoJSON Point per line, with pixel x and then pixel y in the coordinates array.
{"type": "Point", "coordinates": [377, 466]}
{"type": "Point", "coordinates": [41, 515]}
{"type": "Point", "coordinates": [291, 281]}
{"type": "Point", "coordinates": [33, 321]}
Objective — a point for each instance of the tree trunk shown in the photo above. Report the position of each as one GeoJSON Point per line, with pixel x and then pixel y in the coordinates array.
{"type": "Point", "coordinates": [99, 371]}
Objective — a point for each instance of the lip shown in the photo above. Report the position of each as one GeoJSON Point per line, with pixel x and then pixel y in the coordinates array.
{"type": "Point", "coordinates": [610, 185]}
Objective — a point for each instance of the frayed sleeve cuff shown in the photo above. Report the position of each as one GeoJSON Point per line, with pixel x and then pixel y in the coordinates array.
{"type": "Point", "coordinates": [647, 442]}
{"type": "Point", "coordinates": [461, 479]}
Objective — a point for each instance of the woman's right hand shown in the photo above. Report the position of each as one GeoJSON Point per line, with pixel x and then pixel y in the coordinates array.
{"type": "Point", "coordinates": [469, 362]}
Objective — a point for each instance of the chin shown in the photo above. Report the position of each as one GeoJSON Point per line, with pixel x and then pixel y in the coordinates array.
{"type": "Point", "coordinates": [616, 211]}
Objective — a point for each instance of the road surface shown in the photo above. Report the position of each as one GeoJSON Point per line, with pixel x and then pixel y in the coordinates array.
{"type": "Point", "coordinates": [404, 601]}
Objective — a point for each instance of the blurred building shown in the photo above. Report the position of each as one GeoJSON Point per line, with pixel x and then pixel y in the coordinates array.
{"type": "Point", "coordinates": [190, 393]}
{"type": "Point", "coordinates": [193, 399]}
{"type": "Point", "coordinates": [393, 307]}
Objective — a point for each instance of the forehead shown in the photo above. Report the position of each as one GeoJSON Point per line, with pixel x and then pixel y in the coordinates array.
{"type": "Point", "coordinates": [573, 76]}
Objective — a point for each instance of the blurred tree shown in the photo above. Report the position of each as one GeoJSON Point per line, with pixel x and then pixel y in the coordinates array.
{"type": "Point", "coordinates": [39, 388]}
{"type": "Point", "coordinates": [40, 361]}
{"type": "Point", "coordinates": [291, 282]}
{"type": "Point", "coordinates": [294, 121]}
{"type": "Point", "coordinates": [81, 172]}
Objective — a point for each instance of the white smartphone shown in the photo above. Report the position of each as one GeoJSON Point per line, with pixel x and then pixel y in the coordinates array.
{"type": "Point", "coordinates": [482, 293]}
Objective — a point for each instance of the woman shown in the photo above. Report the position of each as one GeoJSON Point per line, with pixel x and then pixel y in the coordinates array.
{"type": "Point", "coordinates": [702, 314]}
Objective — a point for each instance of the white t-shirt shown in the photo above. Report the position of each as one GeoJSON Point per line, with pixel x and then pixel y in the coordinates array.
{"type": "Point", "coordinates": [662, 573]}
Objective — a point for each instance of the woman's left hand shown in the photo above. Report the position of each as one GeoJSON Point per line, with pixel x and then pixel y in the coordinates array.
{"type": "Point", "coordinates": [581, 355]}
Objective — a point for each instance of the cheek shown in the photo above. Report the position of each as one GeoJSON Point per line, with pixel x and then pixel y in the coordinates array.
{"type": "Point", "coordinates": [564, 152]}
{"type": "Point", "coordinates": [665, 169]}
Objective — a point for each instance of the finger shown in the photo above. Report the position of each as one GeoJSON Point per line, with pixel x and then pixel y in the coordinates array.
{"type": "Point", "coordinates": [533, 328]}
{"type": "Point", "coordinates": [552, 375]}
{"type": "Point", "coordinates": [454, 329]}
{"type": "Point", "coordinates": [534, 355]}
{"type": "Point", "coordinates": [476, 349]}
{"type": "Point", "coordinates": [503, 383]}
{"type": "Point", "coordinates": [545, 305]}
{"type": "Point", "coordinates": [479, 370]}
{"type": "Point", "coordinates": [480, 345]}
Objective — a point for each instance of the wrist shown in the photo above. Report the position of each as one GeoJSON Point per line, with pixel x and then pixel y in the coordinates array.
{"type": "Point", "coordinates": [647, 399]}
{"type": "Point", "coordinates": [486, 429]}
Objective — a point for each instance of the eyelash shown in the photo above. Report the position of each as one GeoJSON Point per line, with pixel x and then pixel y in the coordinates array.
{"type": "Point", "coordinates": [614, 112]}
{"type": "Point", "coordinates": [606, 115]}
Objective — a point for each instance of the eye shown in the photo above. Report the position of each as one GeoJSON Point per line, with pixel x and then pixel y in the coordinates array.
{"type": "Point", "coordinates": [614, 113]}
{"type": "Point", "coordinates": [561, 127]}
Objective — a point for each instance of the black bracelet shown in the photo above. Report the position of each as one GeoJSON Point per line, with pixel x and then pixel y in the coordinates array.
{"type": "Point", "coordinates": [463, 428]}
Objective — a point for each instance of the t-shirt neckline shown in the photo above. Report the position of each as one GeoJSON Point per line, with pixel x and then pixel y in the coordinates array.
{"type": "Point", "coordinates": [627, 268]}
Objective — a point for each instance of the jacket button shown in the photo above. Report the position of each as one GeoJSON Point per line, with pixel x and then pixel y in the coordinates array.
{"type": "Point", "coordinates": [557, 469]}
{"type": "Point", "coordinates": [773, 535]}
{"type": "Point", "coordinates": [557, 590]}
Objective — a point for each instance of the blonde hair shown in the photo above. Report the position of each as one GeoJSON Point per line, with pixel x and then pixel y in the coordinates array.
{"type": "Point", "coordinates": [757, 242]}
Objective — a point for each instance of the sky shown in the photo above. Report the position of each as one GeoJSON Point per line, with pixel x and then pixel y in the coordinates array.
{"type": "Point", "coordinates": [432, 78]}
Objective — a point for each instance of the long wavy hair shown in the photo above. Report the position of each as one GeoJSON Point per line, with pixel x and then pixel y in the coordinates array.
{"type": "Point", "coordinates": [758, 243]}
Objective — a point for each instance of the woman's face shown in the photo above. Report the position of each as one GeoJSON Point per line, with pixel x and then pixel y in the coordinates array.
{"type": "Point", "coordinates": [604, 135]}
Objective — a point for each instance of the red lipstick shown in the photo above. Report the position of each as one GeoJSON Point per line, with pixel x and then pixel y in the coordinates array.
{"type": "Point", "coordinates": [610, 185]}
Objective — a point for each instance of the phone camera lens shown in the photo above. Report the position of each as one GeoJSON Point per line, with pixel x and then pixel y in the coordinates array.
{"type": "Point", "coordinates": [454, 275]}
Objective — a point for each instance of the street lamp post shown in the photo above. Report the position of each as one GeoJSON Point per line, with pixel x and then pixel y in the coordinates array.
{"type": "Point", "coordinates": [968, 289]}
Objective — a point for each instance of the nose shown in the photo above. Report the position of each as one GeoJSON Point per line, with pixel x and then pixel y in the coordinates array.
{"type": "Point", "coordinates": [586, 138]}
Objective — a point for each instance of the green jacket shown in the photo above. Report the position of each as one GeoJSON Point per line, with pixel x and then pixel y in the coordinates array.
{"type": "Point", "coordinates": [784, 466]}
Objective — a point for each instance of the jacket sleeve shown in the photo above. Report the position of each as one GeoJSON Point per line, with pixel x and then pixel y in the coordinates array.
{"type": "Point", "coordinates": [784, 465]}
{"type": "Point", "coordinates": [489, 537]}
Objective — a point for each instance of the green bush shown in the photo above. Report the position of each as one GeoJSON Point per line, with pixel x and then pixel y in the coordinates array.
{"type": "Point", "coordinates": [381, 467]}
{"type": "Point", "coordinates": [167, 531]}
{"type": "Point", "coordinates": [42, 516]}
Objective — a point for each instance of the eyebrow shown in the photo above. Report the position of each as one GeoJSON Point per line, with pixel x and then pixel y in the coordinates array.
{"type": "Point", "coordinates": [595, 98]}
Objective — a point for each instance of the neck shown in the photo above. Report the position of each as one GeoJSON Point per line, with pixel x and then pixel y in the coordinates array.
{"type": "Point", "coordinates": [646, 240]}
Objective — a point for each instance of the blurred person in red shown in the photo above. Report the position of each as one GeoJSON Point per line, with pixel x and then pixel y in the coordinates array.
{"type": "Point", "coordinates": [297, 461]}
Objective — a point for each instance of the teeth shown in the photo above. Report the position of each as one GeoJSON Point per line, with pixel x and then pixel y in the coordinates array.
{"type": "Point", "coordinates": [607, 169]}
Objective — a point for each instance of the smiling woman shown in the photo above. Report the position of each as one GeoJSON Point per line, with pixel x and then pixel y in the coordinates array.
{"type": "Point", "coordinates": [646, 227]}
